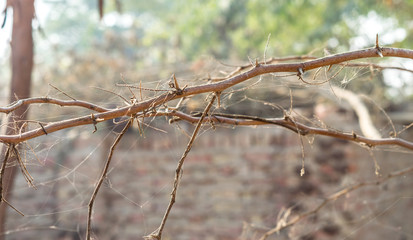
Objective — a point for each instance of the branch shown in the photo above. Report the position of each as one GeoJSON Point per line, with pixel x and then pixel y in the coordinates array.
{"type": "Point", "coordinates": [102, 178]}
{"type": "Point", "coordinates": [239, 69]}
{"type": "Point", "coordinates": [62, 103]}
{"type": "Point", "coordinates": [331, 198]}
{"type": "Point", "coordinates": [178, 172]}
{"type": "Point", "coordinates": [365, 122]}
{"type": "Point", "coordinates": [257, 70]}
{"type": "Point", "coordinates": [292, 125]}
{"type": "Point", "coordinates": [3, 167]}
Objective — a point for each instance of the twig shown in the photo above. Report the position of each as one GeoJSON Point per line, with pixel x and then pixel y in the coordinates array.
{"type": "Point", "coordinates": [78, 103]}
{"type": "Point", "coordinates": [140, 87]}
{"type": "Point", "coordinates": [102, 178]}
{"type": "Point", "coordinates": [266, 47]}
{"type": "Point", "coordinates": [67, 95]}
{"type": "Point", "coordinates": [334, 197]}
{"type": "Point", "coordinates": [365, 121]}
{"type": "Point", "coordinates": [25, 172]}
{"type": "Point", "coordinates": [112, 92]}
{"type": "Point", "coordinates": [3, 167]}
{"type": "Point", "coordinates": [157, 234]}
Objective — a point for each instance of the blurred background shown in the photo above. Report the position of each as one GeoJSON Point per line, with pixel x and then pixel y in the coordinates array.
{"type": "Point", "coordinates": [237, 182]}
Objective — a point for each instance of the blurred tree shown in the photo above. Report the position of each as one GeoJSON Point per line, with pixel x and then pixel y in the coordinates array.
{"type": "Point", "coordinates": [21, 64]}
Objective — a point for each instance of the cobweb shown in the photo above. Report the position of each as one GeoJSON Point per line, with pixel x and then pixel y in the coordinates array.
{"type": "Point", "coordinates": [238, 182]}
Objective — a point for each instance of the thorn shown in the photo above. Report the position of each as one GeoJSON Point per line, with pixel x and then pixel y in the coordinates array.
{"type": "Point", "coordinates": [176, 82]}
{"type": "Point", "coordinates": [44, 130]}
{"type": "Point", "coordinates": [300, 71]}
{"type": "Point", "coordinates": [379, 52]}
{"type": "Point", "coordinates": [378, 48]}
{"type": "Point", "coordinates": [377, 40]}
{"type": "Point", "coordinates": [329, 67]}
{"type": "Point", "coordinates": [257, 63]}
{"type": "Point", "coordinates": [94, 123]}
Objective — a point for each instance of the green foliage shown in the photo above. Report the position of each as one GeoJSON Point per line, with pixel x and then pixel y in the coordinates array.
{"type": "Point", "coordinates": [224, 28]}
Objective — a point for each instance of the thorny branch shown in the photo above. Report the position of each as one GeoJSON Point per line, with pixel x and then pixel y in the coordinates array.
{"type": "Point", "coordinates": [333, 197]}
{"type": "Point", "coordinates": [178, 172]}
{"type": "Point", "coordinates": [289, 123]}
{"type": "Point", "coordinates": [102, 178]}
{"type": "Point", "coordinates": [138, 108]}
{"type": "Point", "coordinates": [75, 103]}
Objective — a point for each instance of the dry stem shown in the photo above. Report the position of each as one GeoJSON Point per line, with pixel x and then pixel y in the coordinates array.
{"type": "Point", "coordinates": [157, 234]}
{"type": "Point", "coordinates": [102, 178]}
{"type": "Point", "coordinates": [331, 198]}
{"type": "Point", "coordinates": [3, 167]}
{"type": "Point", "coordinates": [292, 125]}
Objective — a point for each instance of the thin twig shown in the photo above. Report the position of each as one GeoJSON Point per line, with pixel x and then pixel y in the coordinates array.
{"type": "Point", "coordinates": [157, 234]}
{"type": "Point", "coordinates": [141, 88]}
{"type": "Point", "coordinates": [77, 103]}
{"type": "Point", "coordinates": [102, 178]}
{"type": "Point", "coordinates": [3, 167]}
{"type": "Point", "coordinates": [266, 47]}
{"type": "Point", "coordinates": [67, 95]}
{"type": "Point", "coordinates": [334, 197]}
{"type": "Point", "coordinates": [25, 172]}
{"type": "Point", "coordinates": [112, 92]}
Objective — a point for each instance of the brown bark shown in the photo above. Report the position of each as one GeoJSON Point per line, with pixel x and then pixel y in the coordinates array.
{"type": "Point", "coordinates": [21, 64]}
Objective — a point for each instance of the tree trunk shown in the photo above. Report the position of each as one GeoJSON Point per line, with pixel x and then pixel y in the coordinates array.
{"type": "Point", "coordinates": [21, 64]}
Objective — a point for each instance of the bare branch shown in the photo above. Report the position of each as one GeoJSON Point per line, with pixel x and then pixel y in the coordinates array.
{"type": "Point", "coordinates": [210, 87]}
{"type": "Point", "coordinates": [25, 172]}
{"type": "Point", "coordinates": [294, 126]}
{"type": "Point", "coordinates": [365, 122]}
{"type": "Point", "coordinates": [3, 167]}
{"type": "Point", "coordinates": [334, 197]}
{"type": "Point", "coordinates": [102, 178]}
{"type": "Point", "coordinates": [67, 95]}
{"type": "Point", "coordinates": [76, 103]}
{"type": "Point", "coordinates": [157, 234]}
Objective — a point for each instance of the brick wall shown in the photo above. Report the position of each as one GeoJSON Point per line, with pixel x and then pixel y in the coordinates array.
{"type": "Point", "coordinates": [235, 184]}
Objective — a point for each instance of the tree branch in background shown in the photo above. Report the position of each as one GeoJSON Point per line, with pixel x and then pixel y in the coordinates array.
{"type": "Point", "coordinates": [284, 223]}
{"type": "Point", "coordinates": [365, 122]}
{"type": "Point", "coordinates": [20, 87]}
